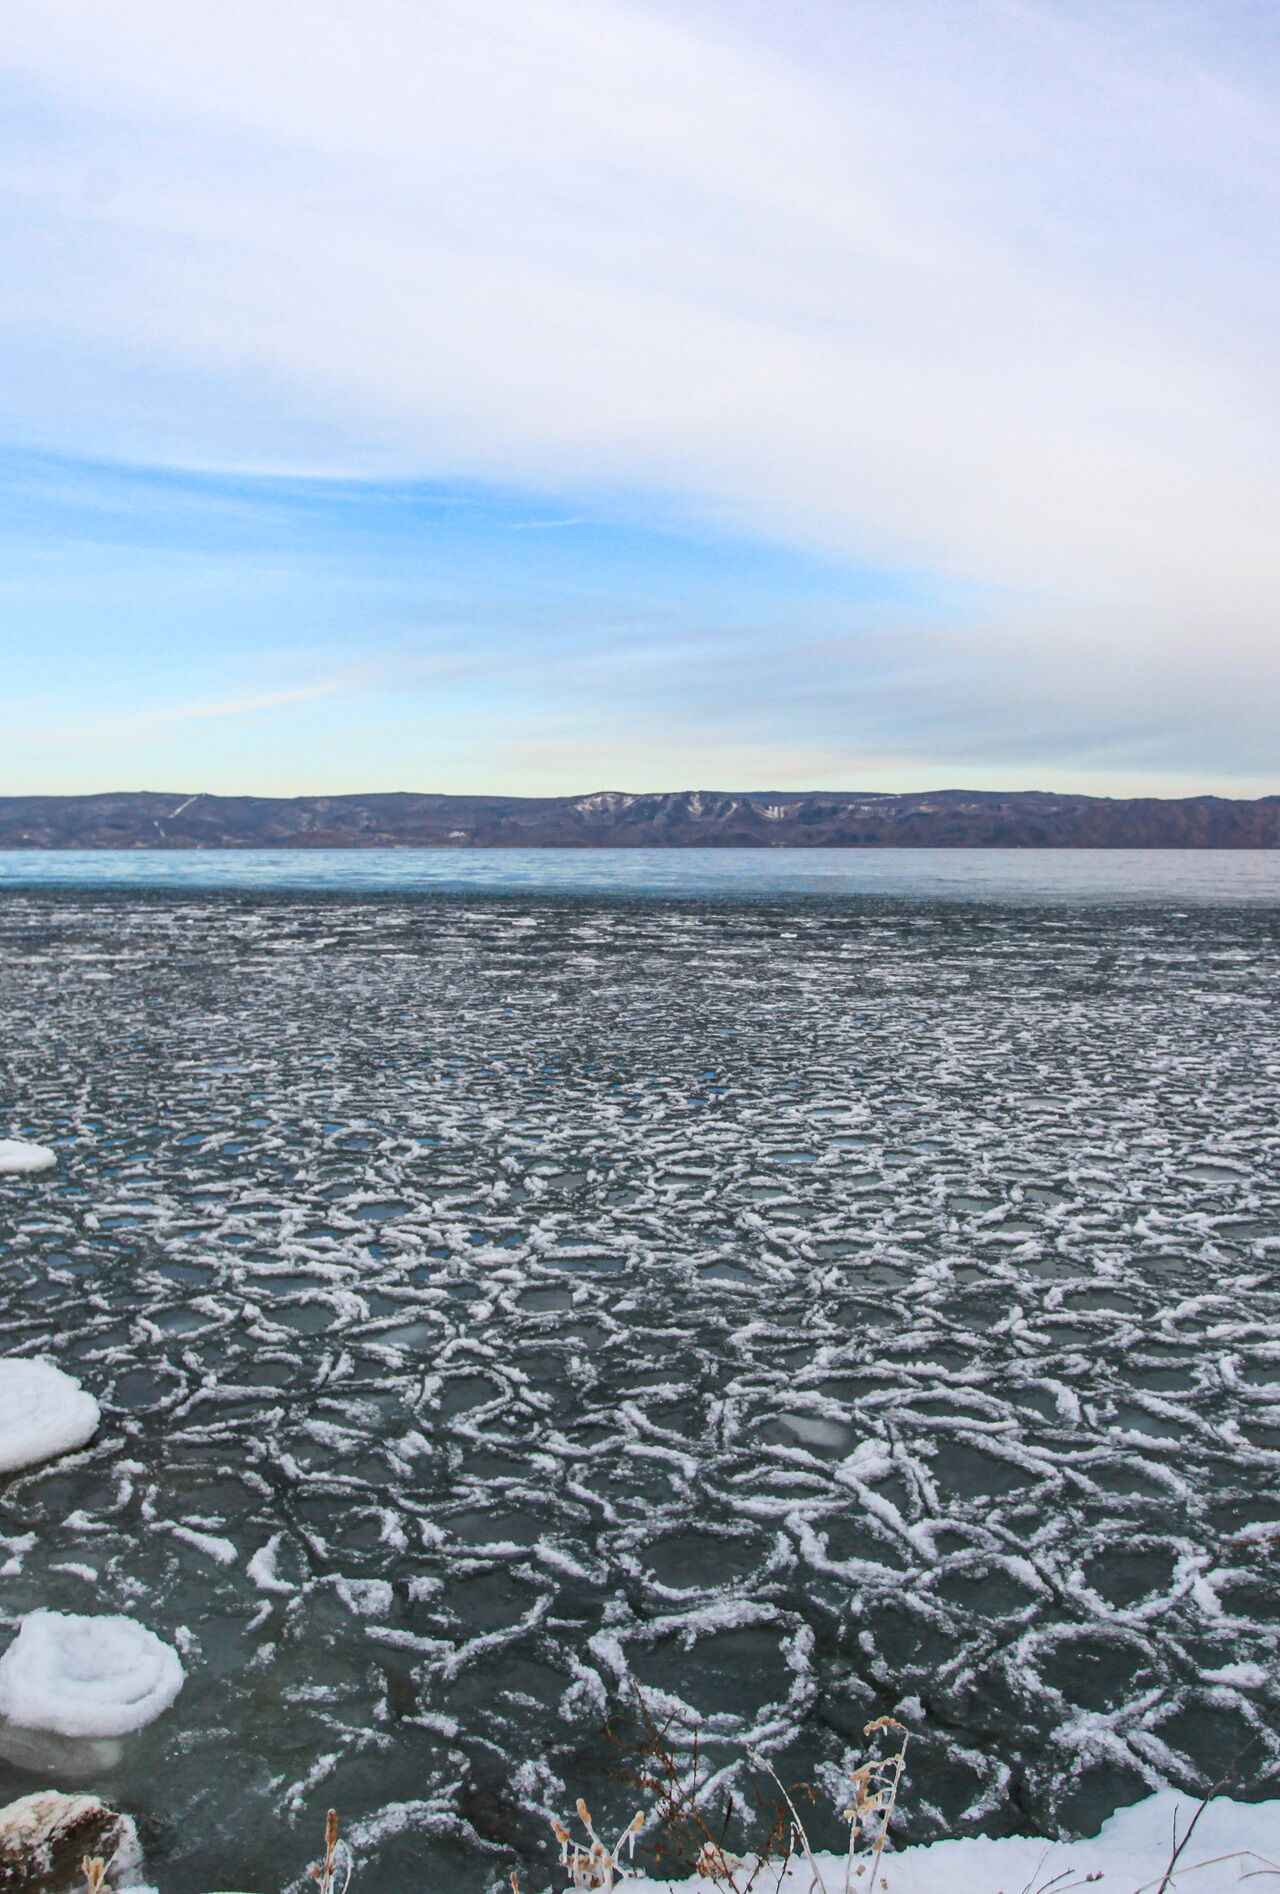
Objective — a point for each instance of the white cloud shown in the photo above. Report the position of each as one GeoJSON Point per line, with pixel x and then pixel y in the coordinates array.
{"type": "Point", "coordinates": [979, 287]}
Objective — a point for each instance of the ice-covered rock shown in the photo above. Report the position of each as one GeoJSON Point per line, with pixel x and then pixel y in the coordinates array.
{"type": "Point", "coordinates": [44, 1838]}
{"type": "Point", "coordinates": [86, 1676]}
{"type": "Point", "coordinates": [43, 1412]}
{"type": "Point", "coordinates": [17, 1158]}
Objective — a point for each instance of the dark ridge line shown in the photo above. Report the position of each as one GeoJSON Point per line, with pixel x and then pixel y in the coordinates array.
{"type": "Point", "coordinates": [947, 818]}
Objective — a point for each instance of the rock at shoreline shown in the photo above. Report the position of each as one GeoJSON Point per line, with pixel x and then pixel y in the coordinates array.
{"type": "Point", "coordinates": [45, 1837]}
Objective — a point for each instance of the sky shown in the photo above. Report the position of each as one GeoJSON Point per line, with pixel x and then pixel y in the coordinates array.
{"type": "Point", "coordinates": [541, 396]}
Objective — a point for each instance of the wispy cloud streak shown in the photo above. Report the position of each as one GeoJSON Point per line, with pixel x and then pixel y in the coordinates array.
{"type": "Point", "coordinates": [980, 291]}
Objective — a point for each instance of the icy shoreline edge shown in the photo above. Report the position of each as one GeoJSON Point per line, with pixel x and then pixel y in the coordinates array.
{"type": "Point", "coordinates": [1226, 1843]}
{"type": "Point", "coordinates": [1131, 1853]}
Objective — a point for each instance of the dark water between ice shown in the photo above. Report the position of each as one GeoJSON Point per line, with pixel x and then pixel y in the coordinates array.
{"type": "Point", "coordinates": [800, 1309]}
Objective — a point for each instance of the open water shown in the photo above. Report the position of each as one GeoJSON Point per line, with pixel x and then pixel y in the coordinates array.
{"type": "Point", "coordinates": [794, 1309]}
{"type": "Point", "coordinates": [1036, 875]}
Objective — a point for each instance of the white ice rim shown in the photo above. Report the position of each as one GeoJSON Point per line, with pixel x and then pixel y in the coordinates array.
{"type": "Point", "coordinates": [44, 1413]}
{"type": "Point", "coordinates": [86, 1676]}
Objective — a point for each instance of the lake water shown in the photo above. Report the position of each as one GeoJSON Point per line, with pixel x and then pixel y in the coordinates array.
{"type": "Point", "coordinates": [795, 1310]}
{"type": "Point", "coordinates": [1040, 874]}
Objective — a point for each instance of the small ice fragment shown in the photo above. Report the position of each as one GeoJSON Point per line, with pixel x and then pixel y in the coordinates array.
{"type": "Point", "coordinates": [43, 1412]}
{"type": "Point", "coordinates": [815, 1433]}
{"type": "Point", "coordinates": [210, 1543]}
{"type": "Point", "coordinates": [365, 1597]}
{"type": "Point", "coordinates": [86, 1676]}
{"type": "Point", "coordinates": [17, 1158]}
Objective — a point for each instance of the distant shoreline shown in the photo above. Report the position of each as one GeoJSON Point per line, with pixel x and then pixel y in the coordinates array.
{"type": "Point", "coordinates": [467, 848]}
{"type": "Point", "coordinates": [765, 819]}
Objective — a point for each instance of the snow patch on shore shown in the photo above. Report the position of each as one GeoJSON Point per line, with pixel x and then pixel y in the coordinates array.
{"type": "Point", "coordinates": [1131, 1851]}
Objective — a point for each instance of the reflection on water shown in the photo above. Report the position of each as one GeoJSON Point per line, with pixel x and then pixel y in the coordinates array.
{"type": "Point", "coordinates": [74, 1759]}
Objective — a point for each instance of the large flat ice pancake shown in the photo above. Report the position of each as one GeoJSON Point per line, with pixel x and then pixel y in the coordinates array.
{"type": "Point", "coordinates": [43, 1413]}
{"type": "Point", "coordinates": [17, 1158]}
{"type": "Point", "coordinates": [86, 1676]}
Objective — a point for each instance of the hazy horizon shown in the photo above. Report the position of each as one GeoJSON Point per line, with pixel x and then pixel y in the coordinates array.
{"type": "Point", "coordinates": [615, 789]}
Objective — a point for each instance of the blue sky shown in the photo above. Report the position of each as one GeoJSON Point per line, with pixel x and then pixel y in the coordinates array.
{"type": "Point", "coordinates": [544, 395]}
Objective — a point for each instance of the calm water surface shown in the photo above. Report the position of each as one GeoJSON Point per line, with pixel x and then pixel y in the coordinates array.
{"type": "Point", "coordinates": [1039, 874]}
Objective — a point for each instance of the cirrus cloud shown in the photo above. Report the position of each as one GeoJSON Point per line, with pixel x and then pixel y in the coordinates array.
{"type": "Point", "coordinates": [979, 291]}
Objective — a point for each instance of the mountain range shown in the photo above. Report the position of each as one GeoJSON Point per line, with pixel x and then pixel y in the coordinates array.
{"type": "Point", "coordinates": [950, 818]}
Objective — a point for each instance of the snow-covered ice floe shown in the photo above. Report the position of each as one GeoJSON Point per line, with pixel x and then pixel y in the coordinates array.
{"type": "Point", "coordinates": [86, 1676]}
{"type": "Point", "coordinates": [17, 1158]}
{"type": "Point", "coordinates": [43, 1413]}
{"type": "Point", "coordinates": [1131, 1852]}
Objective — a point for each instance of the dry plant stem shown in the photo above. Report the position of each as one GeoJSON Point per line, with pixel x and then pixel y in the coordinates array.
{"type": "Point", "coordinates": [1268, 1870]}
{"type": "Point", "coordinates": [875, 1792]}
{"type": "Point", "coordinates": [595, 1866]}
{"type": "Point", "coordinates": [896, 1763]}
{"type": "Point", "coordinates": [1224, 1781]}
{"type": "Point", "coordinates": [1058, 1883]}
{"type": "Point", "coordinates": [325, 1874]}
{"type": "Point", "coordinates": [688, 1835]}
{"type": "Point", "coordinates": [762, 1762]}
{"type": "Point", "coordinates": [94, 1870]}
{"type": "Point", "coordinates": [1034, 1885]}
{"type": "Point", "coordinates": [767, 1859]}
{"type": "Point", "coordinates": [1178, 1846]}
